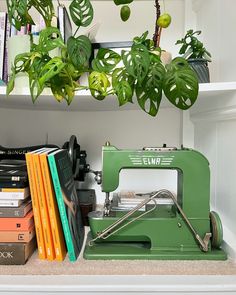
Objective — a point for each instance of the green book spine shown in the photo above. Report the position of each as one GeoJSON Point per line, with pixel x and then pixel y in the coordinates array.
{"type": "Point", "coordinates": [61, 207]}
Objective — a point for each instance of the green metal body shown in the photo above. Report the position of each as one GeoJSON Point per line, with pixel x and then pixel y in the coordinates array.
{"type": "Point", "coordinates": [162, 233]}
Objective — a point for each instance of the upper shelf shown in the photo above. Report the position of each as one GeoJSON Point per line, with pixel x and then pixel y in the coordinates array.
{"type": "Point", "coordinates": [83, 101]}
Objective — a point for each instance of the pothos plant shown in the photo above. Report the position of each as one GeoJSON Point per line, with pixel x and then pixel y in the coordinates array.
{"type": "Point", "coordinates": [142, 73]}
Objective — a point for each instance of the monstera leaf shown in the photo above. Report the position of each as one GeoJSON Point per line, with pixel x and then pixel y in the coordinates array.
{"type": "Point", "coordinates": [34, 71]}
{"type": "Point", "coordinates": [49, 39]}
{"type": "Point", "coordinates": [81, 12]}
{"type": "Point", "coordinates": [45, 8]}
{"type": "Point", "coordinates": [79, 50]}
{"type": "Point", "coordinates": [50, 69]}
{"type": "Point", "coordinates": [18, 13]}
{"type": "Point", "coordinates": [22, 62]}
{"type": "Point", "coordinates": [121, 2]}
{"type": "Point", "coordinates": [106, 60]}
{"type": "Point", "coordinates": [123, 85]}
{"type": "Point", "coordinates": [180, 84]}
{"type": "Point", "coordinates": [98, 84]}
{"type": "Point", "coordinates": [137, 62]}
{"type": "Point", "coordinates": [62, 86]}
{"type": "Point", "coordinates": [149, 94]}
{"type": "Point", "coordinates": [124, 92]}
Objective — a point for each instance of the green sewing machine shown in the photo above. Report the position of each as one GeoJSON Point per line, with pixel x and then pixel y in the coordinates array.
{"type": "Point", "coordinates": [182, 228]}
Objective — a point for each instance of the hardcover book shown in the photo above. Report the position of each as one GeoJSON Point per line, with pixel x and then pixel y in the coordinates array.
{"type": "Point", "coordinates": [17, 236]}
{"type": "Point", "coordinates": [67, 200]}
{"type": "Point", "coordinates": [10, 203]}
{"type": "Point", "coordinates": [13, 164]}
{"type": "Point", "coordinates": [64, 23]}
{"type": "Point", "coordinates": [3, 24]}
{"type": "Point", "coordinates": [55, 221]}
{"type": "Point", "coordinates": [14, 193]}
{"type": "Point", "coordinates": [20, 211]}
{"type": "Point", "coordinates": [16, 184]}
{"type": "Point", "coordinates": [13, 175]}
{"type": "Point", "coordinates": [17, 223]}
{"type": "Point", "coordinates": [16, 253]}
{"type": "Point", "coordinates": [35, 205]}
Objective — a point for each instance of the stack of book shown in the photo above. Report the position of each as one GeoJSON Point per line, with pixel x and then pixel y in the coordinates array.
{"type": "Point", "coordinates": [57, 216]}
{"type": "Point", "coordinates": [17, 233]}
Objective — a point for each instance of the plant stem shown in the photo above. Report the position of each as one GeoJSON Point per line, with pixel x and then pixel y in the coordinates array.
{"type": "Point", "coordinates": [158, 13]}
{"type": "Point", "coordinates": [76, 31]}
{"type": "Point", "coordinates": [159, 37]}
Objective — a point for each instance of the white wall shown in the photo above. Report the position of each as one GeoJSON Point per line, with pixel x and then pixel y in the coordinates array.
{"type": "Point", "coordinates": [142, 19]}
{"type": "Point", "coordinates": [215, 127]}
{"type": "Point", "coordinates": [216, 140]}
{"type": "Point", "coordinates": [124, 129]}
{"type": "Point", "coordinates": [216, 19]}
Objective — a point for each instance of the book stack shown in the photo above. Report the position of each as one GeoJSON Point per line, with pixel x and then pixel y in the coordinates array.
{"type": "Point", "coordinates": [17, 233]}
{"type": "Point", "coordinates": [56, 209]}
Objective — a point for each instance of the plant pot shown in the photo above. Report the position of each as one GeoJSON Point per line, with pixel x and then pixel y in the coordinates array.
{"type": "Point", "coordinates": [20, 44]}
{"type": "Point", "coordinates": [200, 66]}
{"type": "Point", "coordinates": [166, 56]}
{"type": "Point", "coordinates": [16, 45]}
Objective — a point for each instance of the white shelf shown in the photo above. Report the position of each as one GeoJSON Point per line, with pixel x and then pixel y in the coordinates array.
{"type": "Point", "coordinates": [119, 285]}
{"type": "Point", "coordinates": [217, 101]}
{"type": "Point", "coordinates": [83, 101]}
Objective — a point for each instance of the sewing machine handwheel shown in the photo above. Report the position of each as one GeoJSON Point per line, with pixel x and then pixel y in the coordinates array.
{"type": "Point", "coordinates": [216, 230]}
{"type": "Point", "coordinates": [73, 150]}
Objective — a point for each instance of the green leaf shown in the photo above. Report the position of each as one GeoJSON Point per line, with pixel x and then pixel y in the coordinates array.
{"type": "Point", "coordinates": [45, 9]}
{"type": "Point", "coordinates": [180, 84]}
{"type": "Point", "coordinates": [34, 72]}
{"type": "Point", "coordinates": [149, 94]}
{"type": "Point", "coordinates": [124, 92]}
{"type": "Point", "coordinates": [119, 75]}
{"type": "Point", "coordinates": [50, 69]}
{"type": "Point", "coordinates": [121, 2]}
{"type": "Point", "coordinates": [139, 40]}
{"type": "Point", "coordinates": [106, 60]}
{"type": "Point", "coordinates": [79, 50]}
{"type": "Point", "coordinates": [11, 82]}
{"type": "Point", "coordinates": [35, 88]}
{"type": "Point", "coordinates": [98, 84]}
{"type": "Point", "coordinates": [81, 12]}
{"type": "Point", "coordinates": [62, 89]}
{"type": "Point", "coordinates": [23, 62]}
{"type": "Point", "coordinates": [62, 86]}
{"type": "Point", "coordinates": [49, 39]}
{"type": "Point", "coordinates": [137, 62]}
{"type": "Point", "coordinates": [18, 13]}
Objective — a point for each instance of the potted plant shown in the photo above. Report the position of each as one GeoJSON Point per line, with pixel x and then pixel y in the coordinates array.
{"type": "Point", "coordinates": [142, 75]}
{"type": "Point", "coordinates": [198, 57]}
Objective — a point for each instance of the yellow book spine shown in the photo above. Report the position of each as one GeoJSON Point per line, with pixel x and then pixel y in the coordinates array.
{"type": "Point", "coordinates": [35, 205]}
{"type": "Point", "coordinates": [43, 209]}
{"type": "Point", "coordinates": [56, 227]}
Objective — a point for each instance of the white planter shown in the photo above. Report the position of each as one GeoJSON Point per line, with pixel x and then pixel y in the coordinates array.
{"type": "Point", "coordinates": [20, 44]}
{"type": "Point", "coordinates": [17, 45]}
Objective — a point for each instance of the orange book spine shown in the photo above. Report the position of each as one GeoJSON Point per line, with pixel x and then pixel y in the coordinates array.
{"type": "Point", "coordinates": [56, 227]}
{"type": "Point", "coordinates": [35, 205]}
{"type": "Point", "coordinates": [43, 209]}
{"type": "Point", "coordinates": [17, 223]}
{"type": "Point", "coordinates": [12, 236]}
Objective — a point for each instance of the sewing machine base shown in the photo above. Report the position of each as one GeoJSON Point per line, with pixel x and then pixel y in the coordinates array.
{"type": "Point", "coordinates": [140, 251]}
